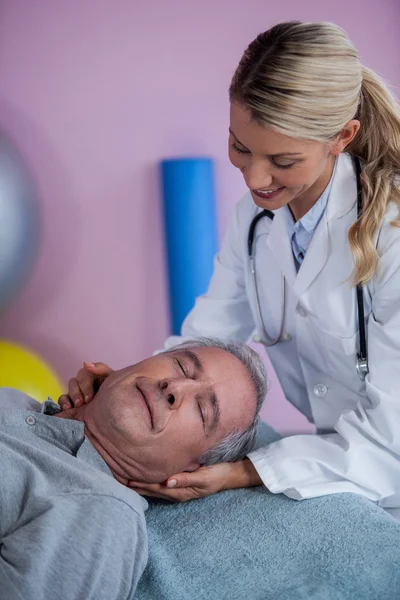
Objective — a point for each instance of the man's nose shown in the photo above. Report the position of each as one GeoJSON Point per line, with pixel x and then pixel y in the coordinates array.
{"type": "Point", "coordinates": [256, 175]}
{"type": "Point", "coordinates": [175, 391]}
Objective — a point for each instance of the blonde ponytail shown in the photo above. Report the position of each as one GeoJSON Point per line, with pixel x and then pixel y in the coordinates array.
{"type": "Point", "coordinates": [378, 145]}
{"type": "Point", "coordinates": [306, 80]}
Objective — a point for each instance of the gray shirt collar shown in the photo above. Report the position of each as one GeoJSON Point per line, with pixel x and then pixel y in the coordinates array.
{"type": "Point", "coordinates": [85, 449]}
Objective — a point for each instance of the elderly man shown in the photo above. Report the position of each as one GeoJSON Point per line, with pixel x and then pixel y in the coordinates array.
{"type": "Point", "coordinates": [68, 528]}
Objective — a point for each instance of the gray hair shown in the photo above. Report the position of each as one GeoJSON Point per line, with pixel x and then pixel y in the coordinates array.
{"type": "Point", "coordinates": [239, 443]}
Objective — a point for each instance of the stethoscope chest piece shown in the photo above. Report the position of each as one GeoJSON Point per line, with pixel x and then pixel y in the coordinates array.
{"type": "Point", "coordinates": [361, 366]}
{"type": "Point", "coordinates": [285, 337]}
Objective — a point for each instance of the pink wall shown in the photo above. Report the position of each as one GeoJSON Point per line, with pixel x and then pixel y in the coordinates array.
{"type": "Point", "coordinates": [94, 93]}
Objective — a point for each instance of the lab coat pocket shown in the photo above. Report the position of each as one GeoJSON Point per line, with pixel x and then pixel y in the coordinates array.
{"type": "Point", "coordinates": [340, 356]}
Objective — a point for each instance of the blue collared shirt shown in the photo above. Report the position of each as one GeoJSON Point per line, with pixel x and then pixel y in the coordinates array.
{"type": "Point", "coordinates": [302, 231]}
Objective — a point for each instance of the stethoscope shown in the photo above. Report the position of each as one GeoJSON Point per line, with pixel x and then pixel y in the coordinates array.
{"type": "Point", "coordinates": [362, 355]}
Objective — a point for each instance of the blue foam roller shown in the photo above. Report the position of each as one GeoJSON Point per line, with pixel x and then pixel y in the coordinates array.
{"type": "Point", "coordinates": [191, 231]}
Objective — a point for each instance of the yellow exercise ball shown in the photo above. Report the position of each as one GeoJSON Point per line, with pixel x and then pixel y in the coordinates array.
{"type": "Point", "coordinates": [20, 368]}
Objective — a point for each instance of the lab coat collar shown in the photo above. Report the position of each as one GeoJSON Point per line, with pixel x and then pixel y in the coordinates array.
{"type": "Point", "coordinates": [343, 194]}
{"type": "Point", "coordinates": [343, 197]}
{"type": "Point", "coordinates": [280, 245]}
{"type": "Point", "coordinates": [342, 200]}
{"type": "Point", "coordinates": [315, 258]}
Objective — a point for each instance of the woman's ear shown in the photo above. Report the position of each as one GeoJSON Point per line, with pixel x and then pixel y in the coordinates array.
{"type": "Point", "coordinates": [345, 136]}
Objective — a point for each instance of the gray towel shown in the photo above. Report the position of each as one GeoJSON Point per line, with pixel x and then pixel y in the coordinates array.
{"type": "Point", "coordinates": [252, 545]}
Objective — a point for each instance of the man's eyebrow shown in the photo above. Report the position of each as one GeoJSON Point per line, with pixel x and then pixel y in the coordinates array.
{"type": "Point", "coordinates": [279, 155]}
{"type": "Point", "coordinates": [194, 359]}
{"type": "Point", "coordinates": [216, 412]}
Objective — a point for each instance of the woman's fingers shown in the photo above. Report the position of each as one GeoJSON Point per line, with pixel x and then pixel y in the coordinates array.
{"type": "Point", "coordinates": [98, 368]}
{"type": "Point", "coordinates": [180, 495]}
{"type": "Point", "coordinates": [184, 486]}
{"type": "Point", "coordinates": [181, 480]}
{"type": "Point", "coordinates": [82, 388]}
{"type": "Point", "coordinates": [65, 402]}
{"type": "Point", "coordinates": [198, 478]}
{"type": "Point", "coordinates": [91, 377]}
{"type": "Point", "coordinates": [74, 391]}
{"type": "Point", "coordinates": [85, 381]}
{"type": "Point", "coordinates": [204, 477]}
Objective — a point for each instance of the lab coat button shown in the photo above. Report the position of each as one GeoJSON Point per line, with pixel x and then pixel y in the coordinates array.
{"type": "Point", "coordinates": [320, 390]}
{"type": "Point", "coordinates": [30, 420]}
{"type": "Point", "coordinates": [286, 337]}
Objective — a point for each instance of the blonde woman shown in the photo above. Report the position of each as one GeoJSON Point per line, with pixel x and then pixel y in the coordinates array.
{"type": "Point", "coordinates": [305, 116]}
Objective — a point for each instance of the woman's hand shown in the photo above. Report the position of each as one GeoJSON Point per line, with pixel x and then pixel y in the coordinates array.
{"type": "Point", "coordinates": [203, 482]}
{"type": "Point", "coordinates": [83, 387]}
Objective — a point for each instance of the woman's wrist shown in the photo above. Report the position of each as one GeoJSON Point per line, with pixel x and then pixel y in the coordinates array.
{"type": "Point", "coordinates": [242, 474]}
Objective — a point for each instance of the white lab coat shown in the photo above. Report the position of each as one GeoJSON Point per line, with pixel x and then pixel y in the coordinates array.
{"type": "Point", "coordinates": [317, 367]}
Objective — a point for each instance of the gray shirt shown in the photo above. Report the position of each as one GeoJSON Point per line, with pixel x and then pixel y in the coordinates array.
{"type": "Point", "coordinates": [68, 529]}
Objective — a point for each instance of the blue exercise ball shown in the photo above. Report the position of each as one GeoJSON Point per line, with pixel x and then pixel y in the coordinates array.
{"type": "Point", "coordinates": [19, 223]}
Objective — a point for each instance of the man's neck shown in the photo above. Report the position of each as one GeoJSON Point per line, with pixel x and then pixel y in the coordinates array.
{"type": "Point", "coordinates": [104, 449]}
{"type": "Point", "coordinates": [106, 454]}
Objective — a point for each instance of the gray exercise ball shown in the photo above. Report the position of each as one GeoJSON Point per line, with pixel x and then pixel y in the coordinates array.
{"type": "Point", "coordinates": [19, 223]}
